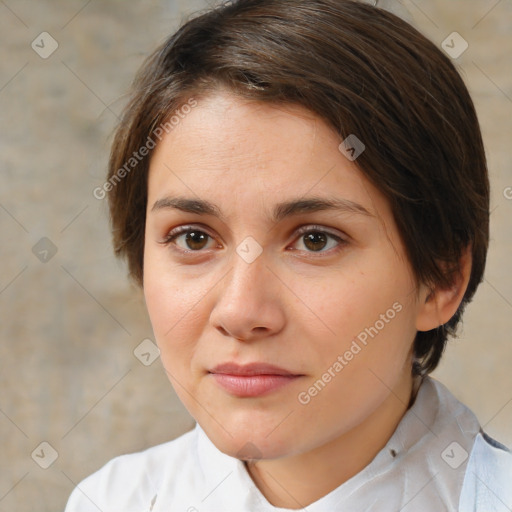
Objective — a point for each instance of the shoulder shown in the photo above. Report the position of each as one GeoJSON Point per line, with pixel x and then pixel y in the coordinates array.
{"type": "Point", "coordinates": [130, 482]}
{"type": "Point", "coordinates": [488, 479]}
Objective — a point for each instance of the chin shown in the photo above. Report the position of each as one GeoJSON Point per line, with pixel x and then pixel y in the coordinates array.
{"type": "Point", "coordinates": [247, 442]}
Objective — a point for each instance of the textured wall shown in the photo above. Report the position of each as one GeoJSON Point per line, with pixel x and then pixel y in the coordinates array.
{"type": "Point", "coordinates": [69, 320]}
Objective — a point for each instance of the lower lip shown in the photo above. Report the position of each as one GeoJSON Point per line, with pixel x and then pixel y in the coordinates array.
{"type": "Point", "coordinates": [252, 385]}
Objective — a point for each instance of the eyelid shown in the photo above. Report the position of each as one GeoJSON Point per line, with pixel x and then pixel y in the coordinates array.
{"type": "Point", "coordinates": [315, 227]}
{"type": "Point", "coordinates": [341, 240]}
{"type": "Point", "coordinates": [175, 232]}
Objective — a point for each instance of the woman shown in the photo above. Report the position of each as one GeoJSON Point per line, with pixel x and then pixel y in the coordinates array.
{"type": "Point", "coordinates": [300, 188]}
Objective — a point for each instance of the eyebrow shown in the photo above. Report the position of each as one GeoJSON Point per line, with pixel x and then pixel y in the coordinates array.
{"type": "Point", "coordinates": [280, 210]}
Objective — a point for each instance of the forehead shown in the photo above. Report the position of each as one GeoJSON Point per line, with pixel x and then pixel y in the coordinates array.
{"type": "Point", "coordinates": [243, 152]}
{"type": "Point", "coordinates": [226, 127]}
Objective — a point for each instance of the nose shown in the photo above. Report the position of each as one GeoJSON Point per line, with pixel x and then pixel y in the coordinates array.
{"type": "Point", "coordinates": [248, 304]}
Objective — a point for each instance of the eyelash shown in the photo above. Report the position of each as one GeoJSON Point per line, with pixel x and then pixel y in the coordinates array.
{"type": "Point", "coordinates": [175, 233]}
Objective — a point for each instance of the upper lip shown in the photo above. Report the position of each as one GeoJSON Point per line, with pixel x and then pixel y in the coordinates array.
{"type": "Point", "coordinates": [250, 369]}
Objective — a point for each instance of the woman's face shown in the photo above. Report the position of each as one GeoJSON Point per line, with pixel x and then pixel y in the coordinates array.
{"type": "Point", "coordinates": [282, 324]}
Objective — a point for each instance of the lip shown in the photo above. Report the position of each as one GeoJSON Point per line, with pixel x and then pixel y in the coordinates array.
{"type": "Point", "coordinates": [253, 379]}
{"type": "Point", "coordinates": [250, 369]}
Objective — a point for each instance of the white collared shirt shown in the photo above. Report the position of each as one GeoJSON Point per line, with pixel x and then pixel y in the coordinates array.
{"type": "Point", "coordinates": [438, 459]}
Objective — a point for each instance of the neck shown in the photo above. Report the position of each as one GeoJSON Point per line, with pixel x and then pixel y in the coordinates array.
{"type": "Point", "coordinates": [297, 481]}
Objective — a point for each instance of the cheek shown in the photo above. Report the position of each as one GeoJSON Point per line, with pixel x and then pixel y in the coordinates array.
{"type": "Point", "coordinates": [173, 308]}
{"type": "Point", "coordinates": [348, 301]}
{"type": "Point", "coordinates": [373, 308]}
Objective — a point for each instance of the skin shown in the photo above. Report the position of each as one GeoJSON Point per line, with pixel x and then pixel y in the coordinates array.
{"type": "Point", "coordinates": [297, 305]}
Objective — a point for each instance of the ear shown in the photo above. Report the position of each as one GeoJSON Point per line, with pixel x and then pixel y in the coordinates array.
{"type": "Point", "coordinates": [436, 306]}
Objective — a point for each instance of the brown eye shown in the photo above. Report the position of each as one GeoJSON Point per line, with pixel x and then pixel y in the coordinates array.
{"type": "Point", "coordinates": [192, 240]}
{"type": "Point", "coordinates": [196, 240]}
{"type": "Point", "coordinates": [315, 241]}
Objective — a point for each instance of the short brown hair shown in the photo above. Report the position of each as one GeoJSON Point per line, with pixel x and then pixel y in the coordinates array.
{"type": "Point", "coordinates": [365, 72]}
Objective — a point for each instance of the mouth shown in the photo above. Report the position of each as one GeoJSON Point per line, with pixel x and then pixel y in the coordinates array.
{"type": "Point", "coordinates": [253, 379]}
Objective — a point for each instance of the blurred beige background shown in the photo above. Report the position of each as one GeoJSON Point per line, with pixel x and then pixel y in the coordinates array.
{"type": "Point", "coordinates": [69, 319]}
